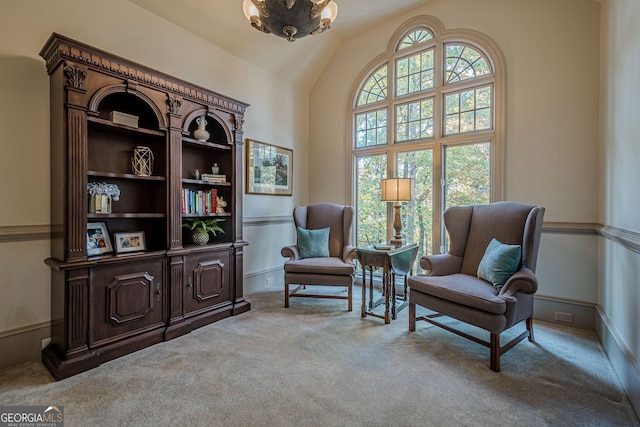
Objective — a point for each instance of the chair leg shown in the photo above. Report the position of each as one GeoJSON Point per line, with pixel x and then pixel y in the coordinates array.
{"type": "Point", "coordinates": [412, 316]}
{"type": "Point", "coordinates": [350, 297]}
{"type": "Point", "coordinates": [286, 295]}
{"type": "Point", "coordinates": [529, 323]}
{"type": "Point", "coordinates": [494, 356]}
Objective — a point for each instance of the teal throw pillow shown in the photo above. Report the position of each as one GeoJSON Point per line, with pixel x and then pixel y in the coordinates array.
{"type": "Point", "coordinates": [499, 263]}
{"type": "Point", "coordinates": [313, 243]}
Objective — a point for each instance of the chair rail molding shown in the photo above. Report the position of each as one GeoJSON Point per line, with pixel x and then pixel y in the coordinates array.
{"type": "Point", "coordinates": [267, 220]}
{"type": "Point", "coordinates": [19, 233]}
{"type": "Point", "coordinates": [627, 238]}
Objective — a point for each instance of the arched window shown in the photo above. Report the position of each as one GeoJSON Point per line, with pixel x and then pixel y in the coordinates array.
{"type": "Point", "coordinates": [429, 108]}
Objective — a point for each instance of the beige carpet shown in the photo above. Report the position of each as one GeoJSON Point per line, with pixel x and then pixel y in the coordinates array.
{"type": "Point", "coordinates": [315, 364]}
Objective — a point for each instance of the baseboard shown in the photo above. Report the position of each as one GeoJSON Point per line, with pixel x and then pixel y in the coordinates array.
{"type": "Point", "coordinates": [624, 363]}
{"type": "Point", "coordinates": [272, 278]}
{"type": "Point", "coordinates": [25, 344]}
{"type": "Point", "coordinates": [549, 309]}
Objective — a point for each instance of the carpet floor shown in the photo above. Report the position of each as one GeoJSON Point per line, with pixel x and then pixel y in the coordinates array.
{"type": "Point", "coordinates": [315, 364]}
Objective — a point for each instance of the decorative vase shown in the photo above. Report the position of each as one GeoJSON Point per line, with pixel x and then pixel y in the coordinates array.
{"type": "Point", "coordinates": [215, 169]}
{"type": "Point", "coordinates": [142, 161]}
{"type": "Point", "coordinates": [200, 237]}
{"type": "Point", "coordinates": [201, 133]}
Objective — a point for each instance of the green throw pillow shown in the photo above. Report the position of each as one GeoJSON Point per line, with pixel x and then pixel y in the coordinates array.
{"type": "Point", "coordinates": [313, 243]}
{"type": "Point", "coordinates": [499, 263]}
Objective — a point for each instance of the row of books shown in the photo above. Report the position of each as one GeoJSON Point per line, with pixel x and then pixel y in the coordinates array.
{"type": "Point", "coordinates": [209, 177]}
{"type": "Point", "coordinates": [199, 202]}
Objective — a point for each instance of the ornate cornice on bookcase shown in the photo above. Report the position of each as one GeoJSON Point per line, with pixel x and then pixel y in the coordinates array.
{"type": "Point", "coordinates": [238, 122]}
{"type": "Point", "coordinates": [59, 48]}
{"type": "Point", "coordinates": [75, 75]}
{"type": "Point", "coordinates": [174, 102]}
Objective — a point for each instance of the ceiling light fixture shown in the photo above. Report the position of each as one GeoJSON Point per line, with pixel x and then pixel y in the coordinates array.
{"type": "Point", "coordinates": [291, 19]}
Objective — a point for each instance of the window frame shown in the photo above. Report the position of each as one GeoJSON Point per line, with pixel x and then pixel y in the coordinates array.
{"type": "Point", "coordinates": [441, 38]}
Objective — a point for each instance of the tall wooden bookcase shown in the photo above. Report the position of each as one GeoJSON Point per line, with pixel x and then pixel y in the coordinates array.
{"type": "Point", "coordinates": [113, 303]}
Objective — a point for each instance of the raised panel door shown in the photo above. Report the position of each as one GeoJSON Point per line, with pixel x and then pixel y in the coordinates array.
{"type": "Point", "coordinates": [127, 300]}
{"type": "Point", "coordinates": [207, 281]}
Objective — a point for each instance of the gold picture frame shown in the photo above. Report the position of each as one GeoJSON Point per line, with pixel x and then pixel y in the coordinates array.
{"type": "Point", "coordinates": [269, 169]}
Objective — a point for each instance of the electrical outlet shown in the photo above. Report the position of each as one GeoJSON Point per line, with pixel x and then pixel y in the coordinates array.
{"type": "Point", "coordinates": [269, 281]}
{"type": "Point", "coordinates": [564, 317]}
{"type": "Point", "coordinates": [45, 342]}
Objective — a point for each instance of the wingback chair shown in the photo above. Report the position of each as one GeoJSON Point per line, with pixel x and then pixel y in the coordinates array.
{"type": "Point", "coordinates": [335, 267]}
{"type": "Point", "coordinates": [452, 287]}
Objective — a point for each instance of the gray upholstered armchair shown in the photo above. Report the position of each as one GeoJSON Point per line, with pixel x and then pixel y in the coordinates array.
{"type": "Point", "coordinates": [452, 286]}
{"type": "Point", "coordinates": [335, 266]}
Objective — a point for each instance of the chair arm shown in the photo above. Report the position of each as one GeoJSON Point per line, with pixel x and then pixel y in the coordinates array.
{"type": "Point", "coordinates": [524, 281]}
{"type": "Point", "coordinates": [290, 252]}
{"type": "Point", "coordinates": [441, 265]}
{"type": "Point", "coordinates": [349, 254]}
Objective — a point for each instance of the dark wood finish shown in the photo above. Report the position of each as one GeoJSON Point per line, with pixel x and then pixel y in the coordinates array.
{"type": "Point", "coordinates": [109, 305]}
{"type": "Point", "coordinates": [394, 262]}
{"type": "Point", "coordinates": [208, 282]}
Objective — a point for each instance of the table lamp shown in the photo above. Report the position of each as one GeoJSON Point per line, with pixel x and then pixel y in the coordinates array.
{"type": "Point", "coordinates": [397, 190]}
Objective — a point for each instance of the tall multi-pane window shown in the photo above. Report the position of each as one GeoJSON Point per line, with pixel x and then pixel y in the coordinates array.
{"type": "Point", "coordinates": [427, 110]}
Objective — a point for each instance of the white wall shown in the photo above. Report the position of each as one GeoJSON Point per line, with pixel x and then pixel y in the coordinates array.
{"type": "Point", "coordinates": [278, 114]}
{"type": "Point", "coordinates": [619, 293]}
{"type": "Point", "coordinates": [551, 50]}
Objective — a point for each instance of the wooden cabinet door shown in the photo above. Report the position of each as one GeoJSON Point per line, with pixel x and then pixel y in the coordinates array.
{"type": "Point", "coordinates": [127, 299]}
{"type": "Point", "coordinates": [207, 281]}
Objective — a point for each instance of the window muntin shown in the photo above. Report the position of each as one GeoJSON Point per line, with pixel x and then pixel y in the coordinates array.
{"type": "Point", "coordinates": [375, 89]}
{"type": "Point", "coordinates": [414, 73]}
{"type": "Point", "coordinates": [371, 128]}
{"type": "Point", "coordinates": [463, 63]}
{"type": "Point", "coordinates": [414, 120]}
{"type": "Point", "coordinates": [414, 38]}
{"type": "Point", "coordinates": [468, 110]}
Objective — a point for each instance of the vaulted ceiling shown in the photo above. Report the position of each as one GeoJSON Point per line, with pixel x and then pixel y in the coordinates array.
{"type": "Point", "coordinates": [222, 23]}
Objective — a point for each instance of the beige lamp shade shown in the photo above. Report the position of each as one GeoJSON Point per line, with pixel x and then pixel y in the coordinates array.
{"type": "Point", "coordinates": [397, 190]}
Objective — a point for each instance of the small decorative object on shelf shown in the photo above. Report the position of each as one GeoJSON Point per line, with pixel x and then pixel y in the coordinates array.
{"type": "Point", "coordinates": [201, 133]}
{"type": "Point", "coordinates": [220, 205]}
{"type": "Point", "coordinates": [215, 169]}
{"type": "Point", "coordinates": [142, 161]}
{"type": "Point", "coordinates": [202, 227]}
{"type": "Point", "coordinates": [101, 194]}
{"type": "Point", "coordinates": [213, 178]}
{"type": "Point", "coordinates": [124, 119]}
{"type": "Point", "coordinates": [98, 239]}
{"type": "Point", "coordinates": [130, 242]}
{"type": "Point", "coordinates": [196, 174]}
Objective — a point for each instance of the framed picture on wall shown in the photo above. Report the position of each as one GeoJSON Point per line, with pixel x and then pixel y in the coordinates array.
{"type": "Point", "coordinates": [98, 239]}
{"type": "Point", "coordinates": [269, 169]}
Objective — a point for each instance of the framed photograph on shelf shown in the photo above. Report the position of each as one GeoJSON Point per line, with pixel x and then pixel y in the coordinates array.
{"type": "Point", "coordinates": [130, 242]}
{"type": "Point", "coordinates": [269, 169]}
{"type": "Point", "coordinates": [98, 239]}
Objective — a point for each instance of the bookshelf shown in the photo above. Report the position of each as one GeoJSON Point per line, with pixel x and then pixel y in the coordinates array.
{"type": "Point", "coordinates": [104, 108]}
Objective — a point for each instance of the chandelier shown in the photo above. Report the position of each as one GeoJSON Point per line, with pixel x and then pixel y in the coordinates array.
{"type": "Point", "coordinates": [291, 19]}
